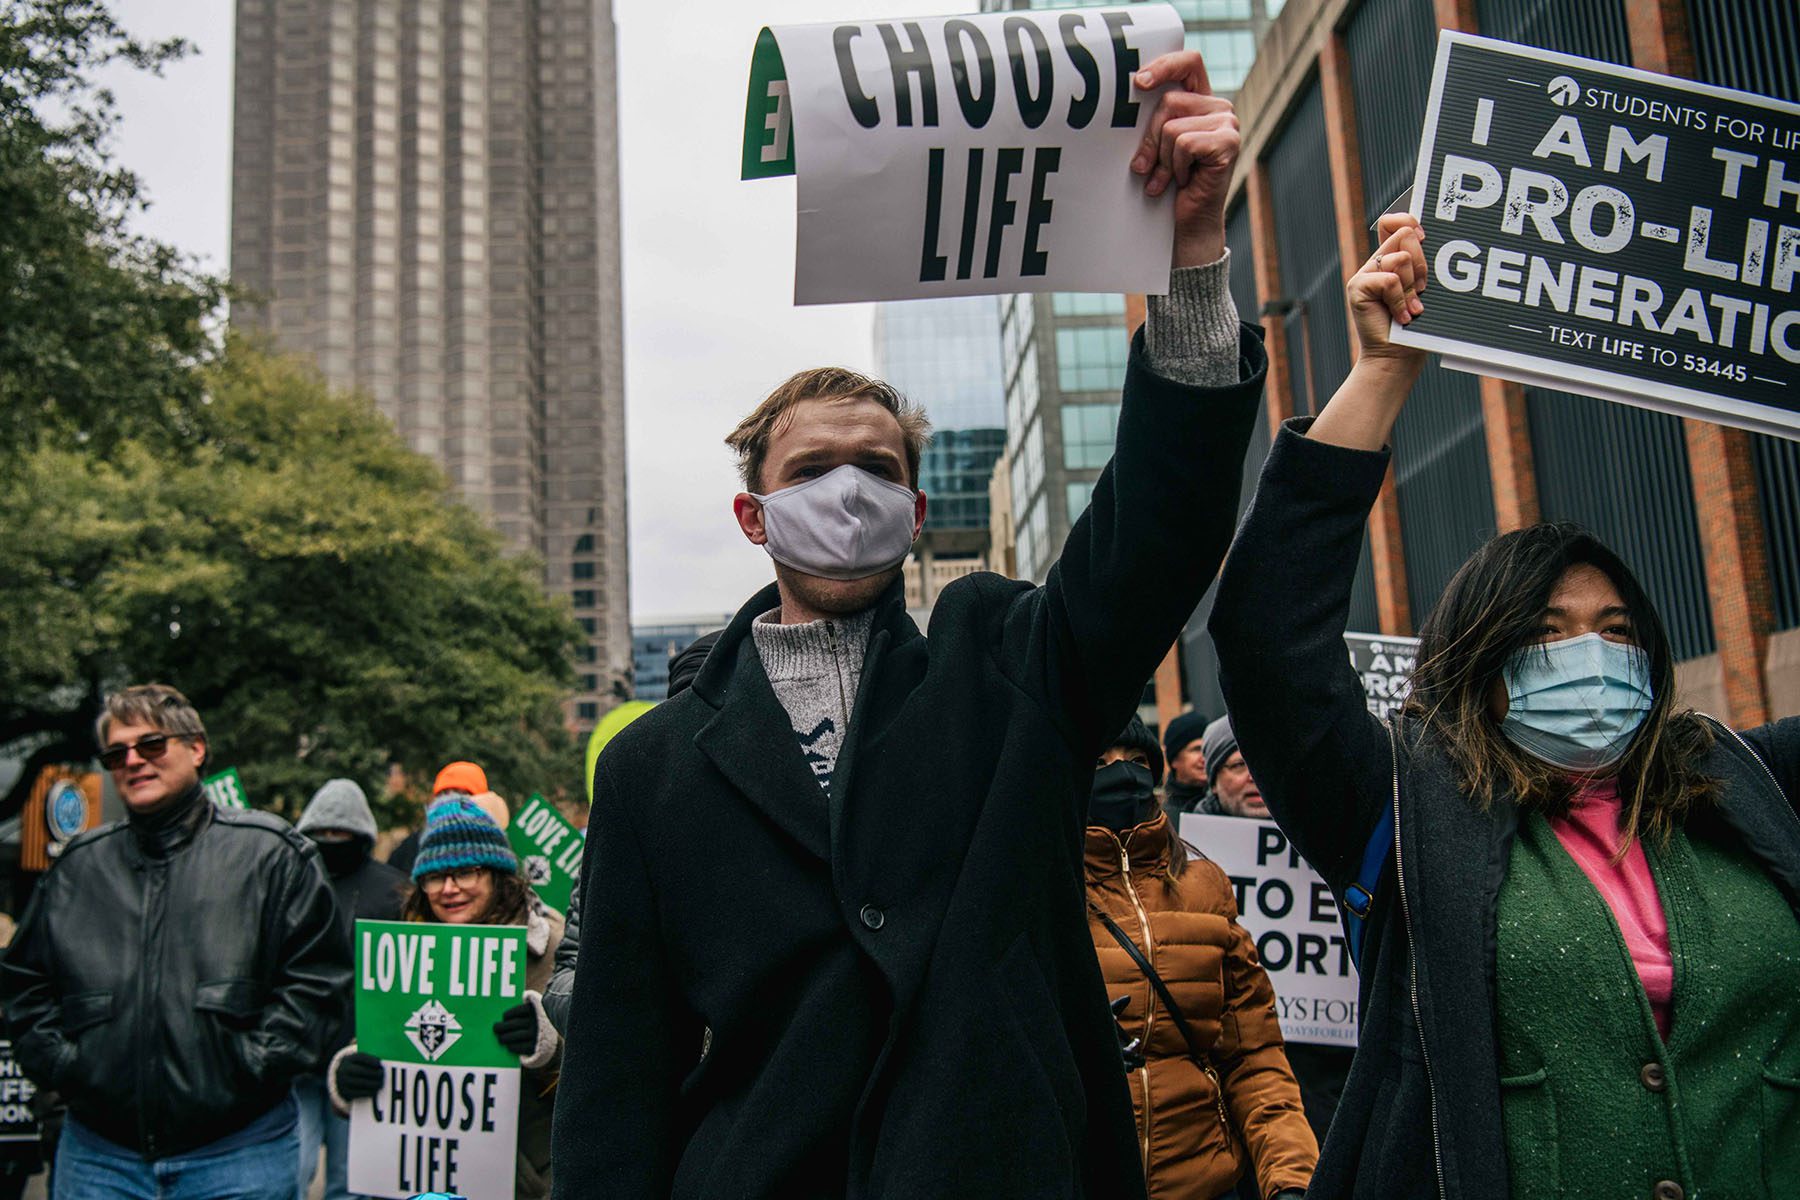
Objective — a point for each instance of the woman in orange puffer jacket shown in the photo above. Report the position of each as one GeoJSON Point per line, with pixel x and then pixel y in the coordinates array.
{"type": "Point", "coordinates": [1202, 1121]}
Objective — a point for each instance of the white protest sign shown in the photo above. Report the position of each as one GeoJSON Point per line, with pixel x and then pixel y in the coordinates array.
{"type": "Point", "coordinates": [446, 1117]}
{"type": "Point", "coordinates": [1605, 230]}
{"type": "Point", "coordinates": [958, 156]}
{"type": "Point", "coordinates": [1293, 919]}
{"type": "Point", "coordinates": [436, 1129]}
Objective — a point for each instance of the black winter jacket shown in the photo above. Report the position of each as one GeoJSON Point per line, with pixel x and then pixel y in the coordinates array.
{"type": "Point", "coordinates": [170, 978]}
{"type": "Point", "coordinates": [895, 981]}
{"type": "Point", "coordinates": [1420, 1114]}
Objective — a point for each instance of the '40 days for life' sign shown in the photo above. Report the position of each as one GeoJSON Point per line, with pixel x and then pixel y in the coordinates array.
{"type": "Point", "coordinates": [962, 156]}
{"type": "Point", "coordinates": [447, 1116]}
{"type": "Point", "coordinates": [1613, 232]}
{"type": "Point", "coordinates": [549, 850]}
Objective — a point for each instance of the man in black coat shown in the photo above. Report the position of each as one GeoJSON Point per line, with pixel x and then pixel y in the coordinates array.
{"type": "Point", "coordinates": [833, 935]}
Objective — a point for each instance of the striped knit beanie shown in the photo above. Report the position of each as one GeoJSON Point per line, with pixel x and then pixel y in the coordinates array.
{"type": "Point", "coordinates": [458, 835]}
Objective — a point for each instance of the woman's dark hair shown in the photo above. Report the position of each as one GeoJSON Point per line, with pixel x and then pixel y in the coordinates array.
{"type": "Point", "coordinates": [1494, 607]}
{"type": "Point", "coordinates": [512, 900]}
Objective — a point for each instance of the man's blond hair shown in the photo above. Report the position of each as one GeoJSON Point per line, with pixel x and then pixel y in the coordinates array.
{"type": "Point", "coordinates": [750, 440]}
{"type": "Point", "coordinates": [154, 704]}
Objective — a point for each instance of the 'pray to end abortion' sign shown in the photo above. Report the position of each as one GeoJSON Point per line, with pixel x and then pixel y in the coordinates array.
{"type": "Point", "coordinates": [959, 156]}
{"type": "Point", "coordinates": [1611, 231]}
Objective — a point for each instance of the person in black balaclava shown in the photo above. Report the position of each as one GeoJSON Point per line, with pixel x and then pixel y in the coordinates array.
{"type": "Point", "coordinates": [340, 823]}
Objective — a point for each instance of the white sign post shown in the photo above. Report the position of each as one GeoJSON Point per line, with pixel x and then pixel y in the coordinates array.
{"type": "Point", "coordinates": [959, 156]}
{"type": "Point", "coordinates": [1293, 918]}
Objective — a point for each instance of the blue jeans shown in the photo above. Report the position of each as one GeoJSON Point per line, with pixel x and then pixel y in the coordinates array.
{"type": "Point", "coordinates": [321, 1126]}
{"type": "Point", "coordinates": [255, 1163]}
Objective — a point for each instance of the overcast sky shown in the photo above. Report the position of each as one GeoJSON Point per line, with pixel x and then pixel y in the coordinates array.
{"type": "Point", "coordinates": [709, 260]}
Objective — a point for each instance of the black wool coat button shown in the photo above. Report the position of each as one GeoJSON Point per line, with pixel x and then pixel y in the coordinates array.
{"type": "Point", "coordinates": [873, 917]}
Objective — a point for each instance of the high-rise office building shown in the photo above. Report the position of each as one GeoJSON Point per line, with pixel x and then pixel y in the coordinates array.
{"type": "Point", "coordinates": [944, 355]}
{"type": "Point", "coordinates": [1063, 354]}
{"type": "Point", "coordinates": [425, 200]}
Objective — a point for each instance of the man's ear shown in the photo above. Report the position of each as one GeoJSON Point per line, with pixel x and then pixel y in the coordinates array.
{"type": "Point", "coordinates": [200, 749]}
{"type": "Point", "coordinates": [749, 512]}
{"type": "Point", "coordinates": [918, 514]}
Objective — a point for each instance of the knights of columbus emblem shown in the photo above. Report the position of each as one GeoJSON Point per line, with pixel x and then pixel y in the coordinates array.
{"type": "Point", "coordinates": [433, 1030]}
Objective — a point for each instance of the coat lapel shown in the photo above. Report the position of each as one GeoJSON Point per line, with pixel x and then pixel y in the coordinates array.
{"type": "Point", "coordinates": [751, 741]}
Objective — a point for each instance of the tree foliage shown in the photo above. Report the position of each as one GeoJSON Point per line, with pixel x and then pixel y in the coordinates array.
{"type": "Point", "coordinates": [212, 516]}
{"type": "Point", "coordinates": [307, 580]}
{"type": "Point", "coordinates": [100, 331]}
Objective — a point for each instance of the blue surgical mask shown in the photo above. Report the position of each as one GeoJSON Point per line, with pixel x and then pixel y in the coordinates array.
{"type": "Point", "coordinates": [1577, 703]}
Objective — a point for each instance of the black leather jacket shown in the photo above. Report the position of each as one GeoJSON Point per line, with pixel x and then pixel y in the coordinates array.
{"type": "Point", "coordinates": [173, 974]}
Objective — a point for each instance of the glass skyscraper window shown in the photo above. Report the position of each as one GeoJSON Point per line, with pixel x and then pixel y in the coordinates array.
{"type": "Point", "coordinates": [944, 355]}
{"type": "Point", "coordinates": [1088, 432]}
{"type": "Point", "coordinates": [1091, 360]}
{"type": "Point", "coordinates": [1087, 304]}
{"type": "Point", "coordinates": [1229, 54]}
{"type": "Point", "coordinates": [1077, 496]}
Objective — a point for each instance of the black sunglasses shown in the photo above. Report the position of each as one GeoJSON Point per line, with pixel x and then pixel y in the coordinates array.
{"type": "Point", "coordinates": [150, 747]}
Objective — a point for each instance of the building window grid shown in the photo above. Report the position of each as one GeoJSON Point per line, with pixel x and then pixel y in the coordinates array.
{"type": "Point", "coordinates": [1088, 434]}
{"type": "Point", "coordinates": [1091, 360]}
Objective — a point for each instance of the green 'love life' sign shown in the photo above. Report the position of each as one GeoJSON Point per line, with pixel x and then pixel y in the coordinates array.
{"type": "Point", "coordinates": [225, 789]}
{"type": "Point", "coordinates": [446, 1116]}
{"type": "Point", "coordinates": [549, 850]}
{"type": "Point", "coordinates": [431, 993]}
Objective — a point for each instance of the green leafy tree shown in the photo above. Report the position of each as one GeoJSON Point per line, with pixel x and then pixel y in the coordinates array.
{"type": "Point", "coordinates": [99, 330]}
{"type": "Point", "coordinates": [307, 580]}
{"type": "Point", "coordinates": [219, 520]}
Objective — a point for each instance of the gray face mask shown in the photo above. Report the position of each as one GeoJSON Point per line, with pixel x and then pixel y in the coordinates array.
{"type": "Point", "coordinates": [846, 524]}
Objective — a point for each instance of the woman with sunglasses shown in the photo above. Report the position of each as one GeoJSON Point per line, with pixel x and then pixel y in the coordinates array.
{"type": "Point", "coordinates": [1581, 958]}
{"type": "Point", "coordinates": [467, 874]}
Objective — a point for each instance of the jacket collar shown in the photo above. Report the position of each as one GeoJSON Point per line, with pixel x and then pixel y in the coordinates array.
{"type": "Point", "coordinates": [162, 833]}
{"type": "Point", "coordinates": [1147, 846]}
{"type": "Point", "coordinates": [719, 672]}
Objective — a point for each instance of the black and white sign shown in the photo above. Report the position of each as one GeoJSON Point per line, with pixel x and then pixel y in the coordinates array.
{"type": "Point", "coordinates": [1293, 918]}
{"type": "Point", "coordinates": [18, 1119]}
{"type": "Point", "coordinates": [959, 156]}
{"type": "Point", "coordinates": [1613, 232]}
{"type": "Point", "coordinates": [1386, 666]}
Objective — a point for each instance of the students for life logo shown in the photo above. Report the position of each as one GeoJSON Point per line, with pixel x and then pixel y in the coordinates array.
{"type": "Point", "coordinates": [536, 869]}
{"type": "Point", "coordinates": [433, 1029]}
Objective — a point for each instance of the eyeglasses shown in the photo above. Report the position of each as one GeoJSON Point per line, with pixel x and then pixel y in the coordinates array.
{"type": "Point", "coordinates": [465, 879]}
{"type": "Point", "coordinates": [150, 747]}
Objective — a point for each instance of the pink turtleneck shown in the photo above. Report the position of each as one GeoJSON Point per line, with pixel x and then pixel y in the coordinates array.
{"type": "Point", "coordinates": [1590, 833]}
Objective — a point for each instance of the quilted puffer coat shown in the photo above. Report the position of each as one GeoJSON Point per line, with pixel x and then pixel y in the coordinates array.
{"type": "Point", "coordinates": [1200, 1123]}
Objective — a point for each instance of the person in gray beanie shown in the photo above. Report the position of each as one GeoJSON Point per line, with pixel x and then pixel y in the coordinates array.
{"type": "Point", "coordinates": [340, 823]}
{"type": "Point", "coordinates": [1233, 792]}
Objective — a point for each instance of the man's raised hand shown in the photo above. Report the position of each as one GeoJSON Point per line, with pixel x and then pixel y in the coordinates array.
{"type": "Point", "coordinates": [1192, 143]}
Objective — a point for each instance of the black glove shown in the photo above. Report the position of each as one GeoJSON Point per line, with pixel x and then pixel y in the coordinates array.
{"type": "Point", "coordinates": [517, 1029]}
{"type": "Point", "coordinates": [1131, 1051]}
{"type": "Point", "coordinates": [359, 1076]}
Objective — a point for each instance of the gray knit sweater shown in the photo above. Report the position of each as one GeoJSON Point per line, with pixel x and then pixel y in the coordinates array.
{"type": "Point", "coordinates": [1190, 336]}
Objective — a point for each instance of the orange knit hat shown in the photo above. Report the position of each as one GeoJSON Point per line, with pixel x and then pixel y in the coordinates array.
{"type": "Point", "coordinates": [461, 777]}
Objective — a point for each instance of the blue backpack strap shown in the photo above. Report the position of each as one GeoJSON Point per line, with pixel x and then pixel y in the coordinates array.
{"type": "Point", "coordinates": [1359, 894]}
